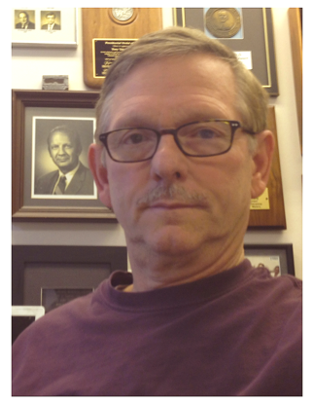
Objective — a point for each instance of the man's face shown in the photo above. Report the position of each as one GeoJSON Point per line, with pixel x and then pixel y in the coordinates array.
{"type": "Point", "coordinates": [23, 18]}
{"type": "Point", "coordinates": [167, 94]}
{"type": "Point", "coordinates": [51, 19]}
{"type": "Point", "coordinates": [64, 152]}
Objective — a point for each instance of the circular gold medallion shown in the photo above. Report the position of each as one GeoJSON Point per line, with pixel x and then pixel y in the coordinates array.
{"type": "Point", "coordinates": [223, 22]}
{"type": "Point", "coordinates": [122, 15]}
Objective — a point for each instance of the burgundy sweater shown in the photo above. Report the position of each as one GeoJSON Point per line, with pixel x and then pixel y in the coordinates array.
{"type": "Point", "coordinates": [234, 333]}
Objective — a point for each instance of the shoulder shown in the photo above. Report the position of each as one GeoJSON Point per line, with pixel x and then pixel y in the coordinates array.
{"type": "Point", "coordinates": [84, 172]}
{"type": "Point", "coordinates": [47, 178]}
{"type": "Point", "coordinates": [42, 337]}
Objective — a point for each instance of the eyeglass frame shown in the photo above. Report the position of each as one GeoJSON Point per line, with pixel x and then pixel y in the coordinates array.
{"type": "Point", "coordinates": [234, 126]}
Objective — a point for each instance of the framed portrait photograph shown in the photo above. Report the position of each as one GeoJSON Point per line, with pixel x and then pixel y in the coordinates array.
{"type": "Point", "coordinates": [278, 258]}
{"type": "Point", "coordinates": [54, 27]}
{"type": "Point", "coordinates": [50, 276]}
{"type": "Point", "coordinates": [51, 133]}
{"type": "Point", "coordinates": [61, 142]}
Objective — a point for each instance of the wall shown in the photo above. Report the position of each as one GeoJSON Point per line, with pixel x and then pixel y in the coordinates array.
{"type": "Point", "coordinates": [37, 62]}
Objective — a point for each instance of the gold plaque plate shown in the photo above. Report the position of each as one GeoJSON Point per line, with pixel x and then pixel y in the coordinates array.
{"type": "Point", "coordinates": [106, 31]}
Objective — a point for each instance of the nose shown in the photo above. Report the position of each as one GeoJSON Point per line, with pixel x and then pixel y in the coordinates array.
{"type": "Point", "coordinates": [61, 150]}
{"type": "Point", "coordinates": [168, 163]}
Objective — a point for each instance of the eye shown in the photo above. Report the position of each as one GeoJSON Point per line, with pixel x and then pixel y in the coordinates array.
{"type": "Point", "coordinates": [206, 134]}
{"type": "Point", "coordinates": [134, 138]}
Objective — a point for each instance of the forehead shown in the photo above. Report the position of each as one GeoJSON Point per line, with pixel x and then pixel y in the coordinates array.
{"type": "Point", "coordinates": [61, 137]}
{"type": "Point", "coordinates": [180, 85]}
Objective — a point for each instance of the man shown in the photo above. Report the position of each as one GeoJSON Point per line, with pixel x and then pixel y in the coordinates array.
{"type": "Point", "coordinates": [72, 177]}
{"type": "Point", "coordinates": [183, 125]}
{"type": "Point", "coordinates": [51, 24]}
{"type": "Point", "coordinates": [24, 21]}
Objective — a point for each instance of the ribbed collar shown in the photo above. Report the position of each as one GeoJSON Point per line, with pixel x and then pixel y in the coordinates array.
{"type": "Point", "coordinates": [174, 296]}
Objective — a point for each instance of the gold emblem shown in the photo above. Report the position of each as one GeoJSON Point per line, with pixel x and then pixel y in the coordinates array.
{"type": "Point", "coordinates": [123, 15]}
{"type": "Point", "coordinates": [223, 22]}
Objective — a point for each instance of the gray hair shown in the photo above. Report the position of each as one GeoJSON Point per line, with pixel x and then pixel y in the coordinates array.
{"type": "Point", "coordinates": [251, 97]}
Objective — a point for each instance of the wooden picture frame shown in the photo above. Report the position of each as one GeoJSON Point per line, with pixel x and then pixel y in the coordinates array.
{"type": "Point", "coordinates": [272, 256]}
{"type": "Point", "coordinates": [35, 267]}
{"type": "Point", "coordinates": [49, 105]}
{"type": "Point", "coordinates": [256, 39]}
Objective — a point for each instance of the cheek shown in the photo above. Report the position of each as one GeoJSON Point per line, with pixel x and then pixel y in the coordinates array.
{"type": "Point", "coordinates": [229, 178]}
{"type": "Point", "coordinates": [122, 184]}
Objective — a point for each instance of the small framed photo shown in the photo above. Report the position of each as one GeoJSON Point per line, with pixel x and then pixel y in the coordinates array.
{"type": "Point", "coordinates": [52, 27]}
{"type": "Point", "coordinates": [51, 133]}
{"type": "Point", "coordinates": [278, 258]}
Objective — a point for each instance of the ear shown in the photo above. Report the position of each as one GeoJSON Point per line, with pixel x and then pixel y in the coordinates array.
{"type": "Point", "coordinates": [99, 173]}
{"type": "Point", "coordinates": [262, 160]}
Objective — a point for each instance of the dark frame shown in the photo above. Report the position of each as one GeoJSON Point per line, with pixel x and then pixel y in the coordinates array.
{"type": "Point", "coordinates": [23, 255]}
{"type": "Point", "coordinates": [283, 251]}
{"type": "Point", "coordinates": [22, 99]}
{"type": "Point", "coordinates": [267, 60]}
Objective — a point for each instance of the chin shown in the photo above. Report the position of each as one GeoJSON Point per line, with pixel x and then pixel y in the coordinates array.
{"type": "Point", "coordinates": [173, 242]}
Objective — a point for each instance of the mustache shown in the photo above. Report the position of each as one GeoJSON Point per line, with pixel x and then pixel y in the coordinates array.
{"type": "Point", "coordinates": [172, 192]}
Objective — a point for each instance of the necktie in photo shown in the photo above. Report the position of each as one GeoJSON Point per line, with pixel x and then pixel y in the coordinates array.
{"type": "Point", "coordinates": [62, 184]}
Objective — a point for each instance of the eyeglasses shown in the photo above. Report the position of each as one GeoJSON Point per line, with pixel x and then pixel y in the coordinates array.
{"type": "Point", "coordinates": [195, 139]}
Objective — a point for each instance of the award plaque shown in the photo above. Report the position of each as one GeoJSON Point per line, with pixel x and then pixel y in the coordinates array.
{"type": "Point", "coordinates": [107, 32]}
{"type": "Point", "coordinates": [247, 31]}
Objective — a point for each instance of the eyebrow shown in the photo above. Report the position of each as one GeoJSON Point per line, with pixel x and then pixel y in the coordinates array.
{"type": "Point", "coordinates": [136, 119]}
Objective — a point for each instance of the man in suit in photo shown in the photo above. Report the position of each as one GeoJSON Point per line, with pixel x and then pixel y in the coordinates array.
{"type": "Point", "coordinates": [71, 177]}
{"type": "Point", "coordinates": [24, 21]}
{"type": "Point", "coordinates": [51, 24]}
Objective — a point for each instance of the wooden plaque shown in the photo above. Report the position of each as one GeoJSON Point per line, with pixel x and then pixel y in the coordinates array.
{"type": "Point", "coordinates": [274, 217]}
{"type": "Point", "coordinates": [116, 26]}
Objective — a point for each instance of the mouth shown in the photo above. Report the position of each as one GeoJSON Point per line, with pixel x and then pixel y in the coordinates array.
{"type": "Point", "coordinates": [171, 205]}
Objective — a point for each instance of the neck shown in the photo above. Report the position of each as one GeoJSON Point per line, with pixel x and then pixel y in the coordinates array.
{"type": "Point", "coordinates": [153, 271]}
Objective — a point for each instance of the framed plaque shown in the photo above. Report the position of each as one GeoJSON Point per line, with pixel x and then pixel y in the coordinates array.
{"type": "Point", "coordinates": [268, 211]}
{"type": "Point", "coordinates": [108, 31]}
{"type": "Point", "coordinates": [50, 276]}
{"type": "Point", "coordinates": [247, 31]}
